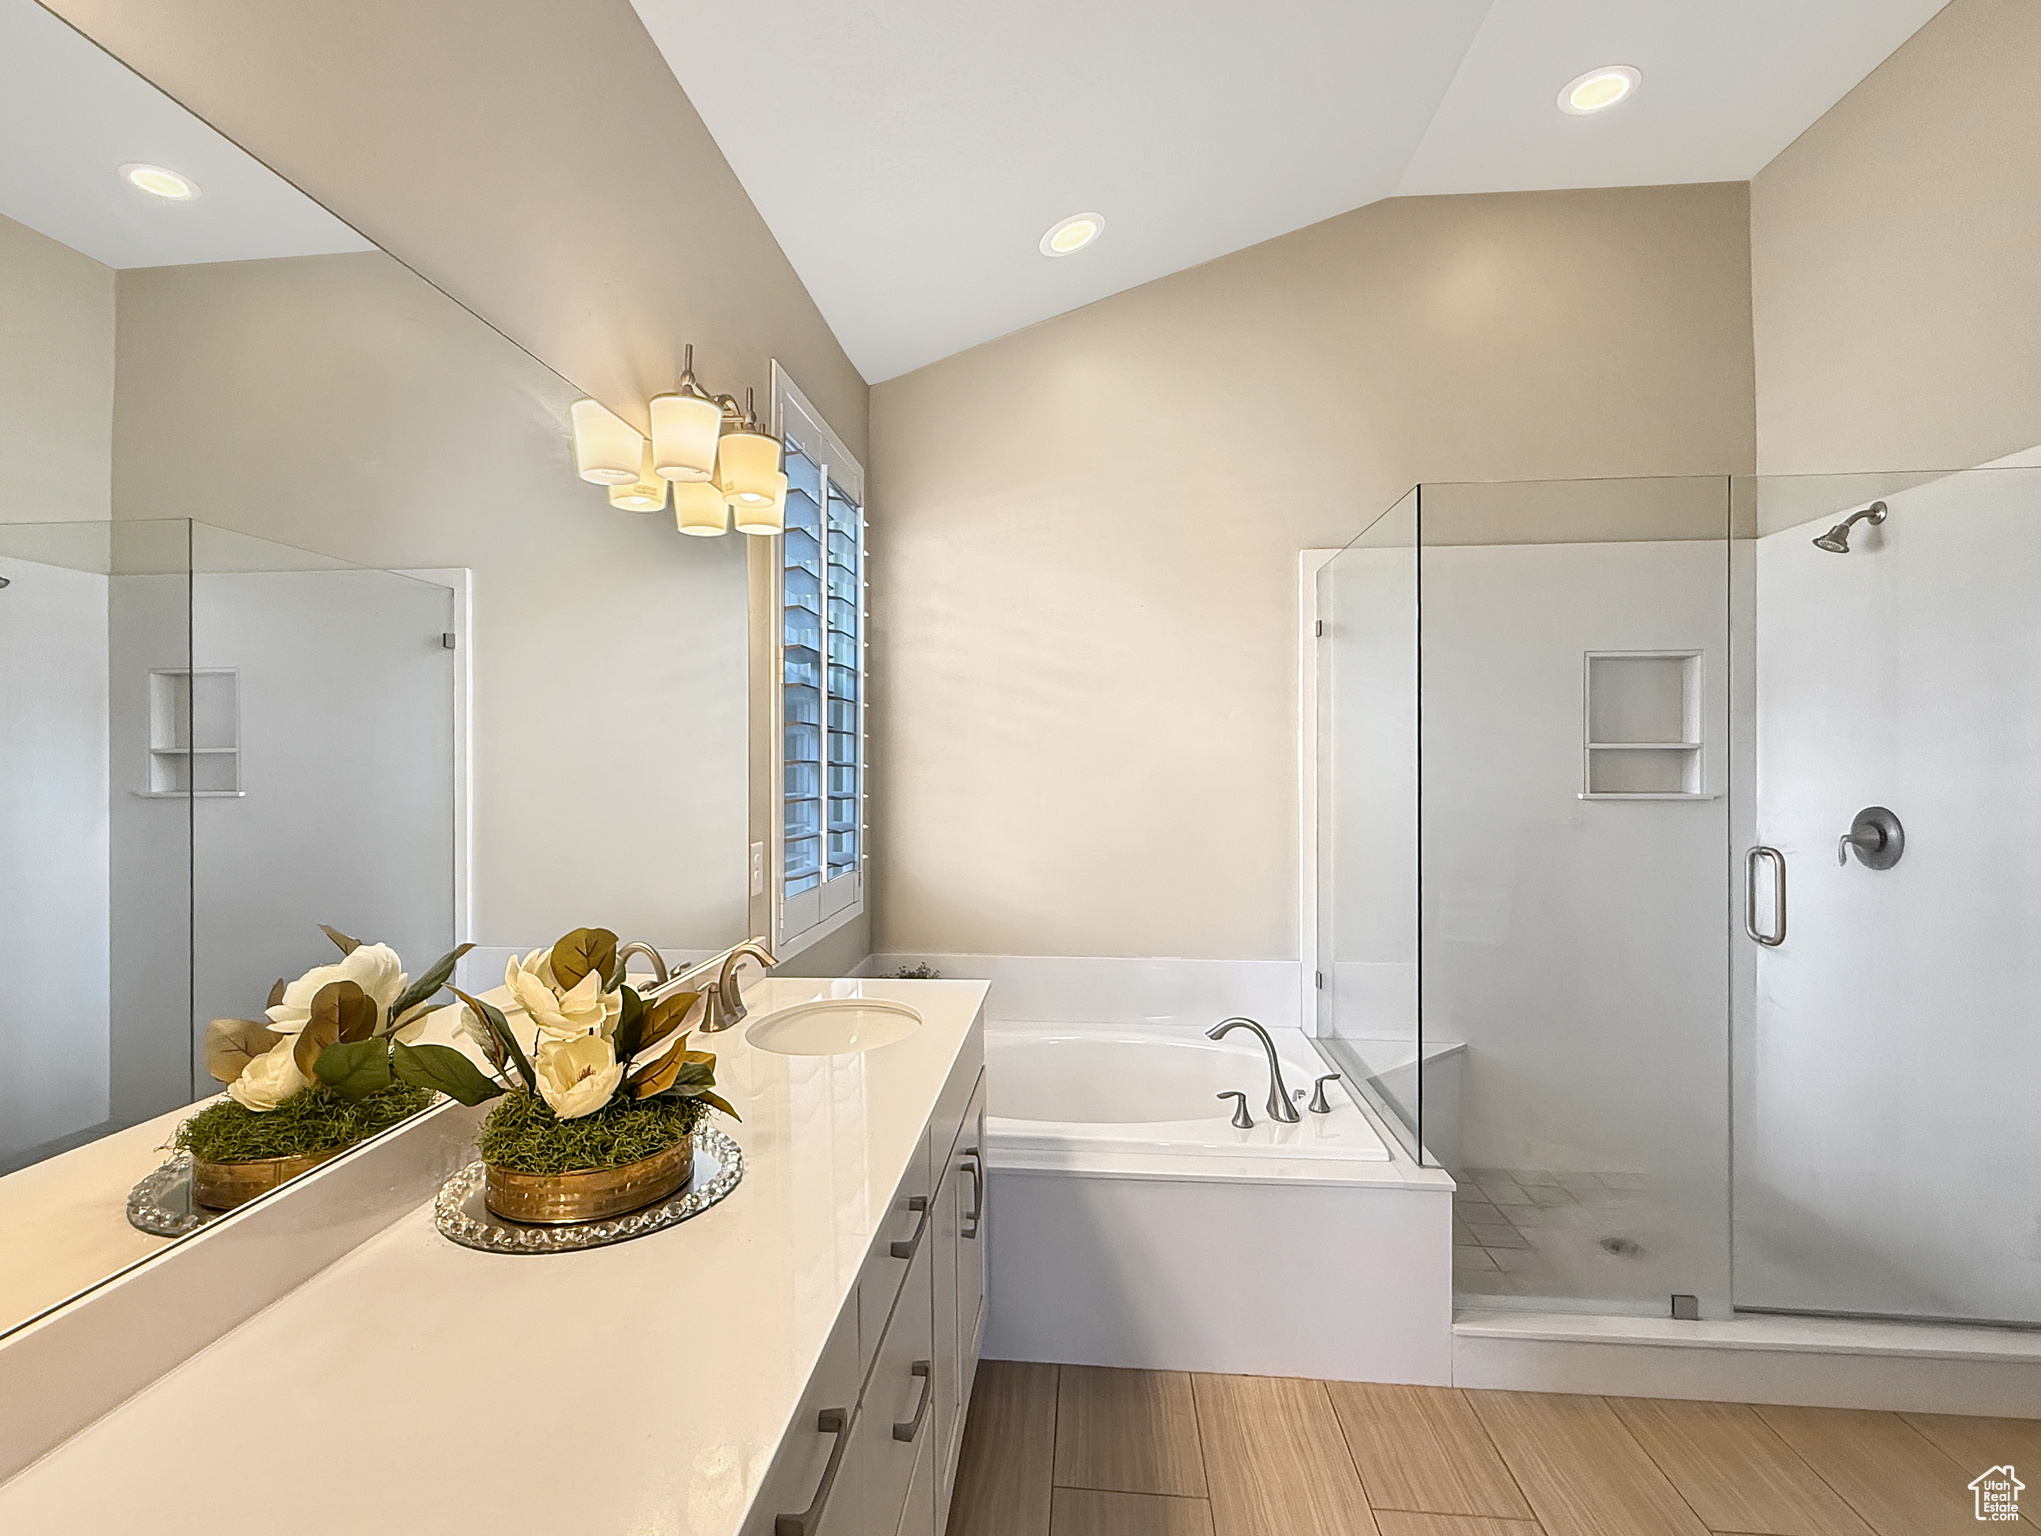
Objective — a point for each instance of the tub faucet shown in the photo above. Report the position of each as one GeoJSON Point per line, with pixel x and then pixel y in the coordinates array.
{"type": "Point", "coordinates": [722, 1003]}
{"type": "Point", "coordinates": [1279, 1106]}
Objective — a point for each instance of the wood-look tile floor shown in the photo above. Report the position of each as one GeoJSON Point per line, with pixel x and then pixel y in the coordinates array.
{"type": "Point", "coordinates": [1078, 1451]}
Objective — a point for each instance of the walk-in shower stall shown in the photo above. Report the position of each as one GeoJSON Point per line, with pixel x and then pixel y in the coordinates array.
{"type": "Point", "coordinates": [209, 745]}
{"type": "Point", "coordinates": [1676, 887]}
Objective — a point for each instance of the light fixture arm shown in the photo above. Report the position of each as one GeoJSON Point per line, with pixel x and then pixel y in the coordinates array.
{"type": "Point", "coordinates": [742, 415]}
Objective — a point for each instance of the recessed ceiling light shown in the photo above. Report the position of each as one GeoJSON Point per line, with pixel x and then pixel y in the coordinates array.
{"type": "Point", "coordinates": [1073, 234]}
{"type": "Point", "coordinates": [158, 182]}
{"type": "Point", "coordinates": [1599, 89]}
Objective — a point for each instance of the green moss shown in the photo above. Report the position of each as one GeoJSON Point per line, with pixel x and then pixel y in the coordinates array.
{"type": "Point", "coordinates": [311, 1121]}
{"type": "Point", "coordinates": [524, 1135]}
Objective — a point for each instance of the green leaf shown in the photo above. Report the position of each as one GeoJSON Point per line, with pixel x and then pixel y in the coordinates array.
{"type": "Point", "coordinates": [582, 951]}
{"type": "Point", "coordinates": [427, 985]}
{"type": "Point", "coordinates": [630, 1024]}
{"type": "Point", "coordinates": [499, 1027]}
{"type": "Point", "coordinates": [665, 1016]}
{"type": "Point", "coordinates": [444, 1068]}
{"type": "Point", "coordinates": [717, 1101]}
{"type": "Point", "coordinates": [347, 945]}
{"type": "Point", "coordinates": [354, 1069]}
{"type": "Point", "coordinates": [351, 1010]}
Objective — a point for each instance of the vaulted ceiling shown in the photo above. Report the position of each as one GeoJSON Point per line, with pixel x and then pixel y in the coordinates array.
{"type": "Point", "coordinates": [910, 154]}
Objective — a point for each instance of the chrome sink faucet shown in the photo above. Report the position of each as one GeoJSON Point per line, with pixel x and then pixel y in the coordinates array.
{"type": "Point", "coordinates": [1279, 1106]}
{"type": "Point", "coordinates": [722, 1003]}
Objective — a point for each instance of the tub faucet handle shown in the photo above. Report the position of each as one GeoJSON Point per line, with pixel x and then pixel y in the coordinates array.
{"type": "Point", "coordinates": [1241, 1117]}
{"type": "Point", "coordinates": [1320, 1104]}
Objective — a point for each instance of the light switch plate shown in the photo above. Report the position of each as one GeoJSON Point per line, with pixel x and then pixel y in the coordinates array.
{"type": "Point", "coordinates": [758, 869]}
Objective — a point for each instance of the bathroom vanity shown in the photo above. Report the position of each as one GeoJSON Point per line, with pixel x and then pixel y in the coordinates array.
{"type": "Point", "coordinates": [805, 1349]}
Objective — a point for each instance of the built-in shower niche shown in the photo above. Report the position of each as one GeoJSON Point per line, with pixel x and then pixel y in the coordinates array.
{"type": "Point", "coordinates": [194, 733]}
{"type": "Point", "coordinates": [1643, 726]}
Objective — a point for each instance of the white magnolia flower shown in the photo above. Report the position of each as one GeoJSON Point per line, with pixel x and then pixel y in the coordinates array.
{"type": "Point", "coordinates": [561, 1014]}
{"type": "Point", "coordinates": [270, 1078]}
{"type": "Point", "coordinates": [576, 1076]}
{"type": "Point", "coordinates": [374, 968]}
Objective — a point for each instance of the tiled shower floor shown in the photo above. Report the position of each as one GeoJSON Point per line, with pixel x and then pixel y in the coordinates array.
{"type": "Point", "coordinates": [1563, 1236]}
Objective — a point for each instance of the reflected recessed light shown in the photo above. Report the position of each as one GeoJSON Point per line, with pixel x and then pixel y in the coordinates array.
{"type": "Point", "coordinates": [1599, 89]}
{"type": "Point", "coordinates": [157, 182]}
{"type": "Point", "coordinates": [1073, 234]}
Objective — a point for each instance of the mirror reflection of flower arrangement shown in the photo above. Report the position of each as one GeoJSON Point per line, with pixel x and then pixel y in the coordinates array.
{"type": "Point", "coordinates": [599, 1119]}
{"type": "Point", "coordinates": [331, 1064]}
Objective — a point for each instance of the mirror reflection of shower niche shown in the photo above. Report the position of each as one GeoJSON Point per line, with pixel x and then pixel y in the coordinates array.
{"type": "Point", "coordinates": [1642, 714]}
{"type": "Point", "coordinates": [194, 733]}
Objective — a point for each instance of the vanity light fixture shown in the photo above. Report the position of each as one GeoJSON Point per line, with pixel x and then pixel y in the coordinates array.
{"type": "Point", "coordinates": [1073, 234]}
{"type": "Point", "coordinates": [646, 492]}
{"type": "Point", "coordinates": [159, 182]}
{"type": "Point", "coordinates": [699, 509]}
{"type": "Point", "coordinates": [607, 449]}
{"type": "Point", "coordinates": [748, 464]}
{"type": "Point", "coordinates": [1599, 89]}
{"type": "Point", "coordinates": [713, 473]}
{"type": "Point", "coordinates": [686, 425]}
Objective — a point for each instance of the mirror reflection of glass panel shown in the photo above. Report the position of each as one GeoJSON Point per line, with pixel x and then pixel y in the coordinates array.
{"type": "Point", "coordinates": [215, 739]}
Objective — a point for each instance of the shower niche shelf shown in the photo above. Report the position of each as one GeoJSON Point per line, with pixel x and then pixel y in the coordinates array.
{"type": "Point", "coordinates": [1641, 717]}
{"type": "Point", "coordinates": [194, 734]}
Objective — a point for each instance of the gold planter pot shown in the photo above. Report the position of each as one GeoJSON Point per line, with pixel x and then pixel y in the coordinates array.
{"type": "Point", "coordinates": [222, 1186]}
{"type": "Point", "coordinates": [592, 1194]}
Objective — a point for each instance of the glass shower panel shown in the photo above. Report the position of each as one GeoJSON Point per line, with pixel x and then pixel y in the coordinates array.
{"type": "Point", "coordinates": [1888, 1156]}
{"type": "Point", "coordinates": [1367, 815]}
{"type": "Point", "coordinates": [321, 726]}
{"type": "Point", "coordinates": [1573, 773]}
{"type": "Point", "coordinates": [95, 839]}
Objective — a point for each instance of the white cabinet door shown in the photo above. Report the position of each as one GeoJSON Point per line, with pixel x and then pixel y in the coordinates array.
{"type": "Point", "coordinates": [897, 1418]}
{"type": "Point", "coordinates": [814, 1478]}
{"type": "Point", "coordinates": [948, 1374]}
{"type": "Point", "coordinates": [971, 1242]}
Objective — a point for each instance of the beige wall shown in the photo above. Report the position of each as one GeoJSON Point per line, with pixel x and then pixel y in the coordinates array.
{"type": "Point", "coordinates": [1896, 259]}
{"type": "Point", "coordinates": [56, 379]}
{"type": "Point", "coordinates": [1086, 536]}
{"type": "Point", "coordinates": [340, 404]}
{"type": "Point", "coordinates": [537, 160]}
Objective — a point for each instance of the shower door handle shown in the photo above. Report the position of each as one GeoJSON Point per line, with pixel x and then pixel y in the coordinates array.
{"type": "Point", "coordinates": [1777, 936]}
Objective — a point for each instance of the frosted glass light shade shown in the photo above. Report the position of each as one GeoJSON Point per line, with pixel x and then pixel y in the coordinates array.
{"type": "Point", "coordinates": [607, 449]}
{"type": "Point", "coordinates": [699, 509]}
{"type": "Point", "coordinates": [746, 465]}
{"type": "Point", "coordinates": [763, 517]}
{"type": "Point", "coordinates": [646, 492]}
{"type": "Point", "coordinates": [684, 433]}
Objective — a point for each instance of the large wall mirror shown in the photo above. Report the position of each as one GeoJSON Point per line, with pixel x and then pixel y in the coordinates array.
{"type": "Point", "coordinates": [304, 620]}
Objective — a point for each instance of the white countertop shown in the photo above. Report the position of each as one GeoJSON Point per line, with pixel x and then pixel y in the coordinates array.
{"type": "Point", "coordinates": [638, 1390]}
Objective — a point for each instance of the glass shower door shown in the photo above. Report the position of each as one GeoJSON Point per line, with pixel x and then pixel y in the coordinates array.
{"type": "Point", "coordinates": [1888, 1156]}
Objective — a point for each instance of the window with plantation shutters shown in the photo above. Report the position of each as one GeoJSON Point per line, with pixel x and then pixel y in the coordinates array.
{"type": "Point", "coordinates": [820, 681]}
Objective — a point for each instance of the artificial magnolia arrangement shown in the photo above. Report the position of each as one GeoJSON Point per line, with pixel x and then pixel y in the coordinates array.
{"type": "Point", "coordinates": [331, 1065]}
{"type": "Point", "coordinates": [599, 1118]}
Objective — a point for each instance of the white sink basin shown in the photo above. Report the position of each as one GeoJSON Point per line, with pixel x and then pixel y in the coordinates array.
{"type": "Point", "coordinates": [837, 1026]}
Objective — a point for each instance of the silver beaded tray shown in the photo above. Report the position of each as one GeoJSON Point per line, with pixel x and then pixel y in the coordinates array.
{"type": "Point", "coordinates": [161, 1205]}
{"type": "Point", "coordinates": [462, 1217]}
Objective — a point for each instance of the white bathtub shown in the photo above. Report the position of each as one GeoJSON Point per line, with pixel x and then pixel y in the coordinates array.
{"type": "Point", "coordinates": [1097, 1088]}
{"type": "Point", "coordinates": [1130, 1224]}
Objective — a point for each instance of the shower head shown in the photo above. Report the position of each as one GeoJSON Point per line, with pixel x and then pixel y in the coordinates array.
{"type": "Point", "coordinates": [1837, 540]}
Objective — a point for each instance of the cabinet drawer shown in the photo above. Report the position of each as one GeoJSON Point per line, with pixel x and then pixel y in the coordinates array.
{"type": "Point", "coordinates": [800, 1481]}
{"type": "Point", "coordinates": [910, 1222]}
{"type": "Point", "coordinates": [899, 1394]}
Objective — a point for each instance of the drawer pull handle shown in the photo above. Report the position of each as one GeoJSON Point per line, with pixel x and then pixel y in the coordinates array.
{"type": "Point", "coordinates": [903, 1247]}
{"type": "Point", "coordinates": [907, 1429]}
{"type": "Point", "coordinates": [976, 1168]}
{"type": "Point", "coordinates": [830, 1421]}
